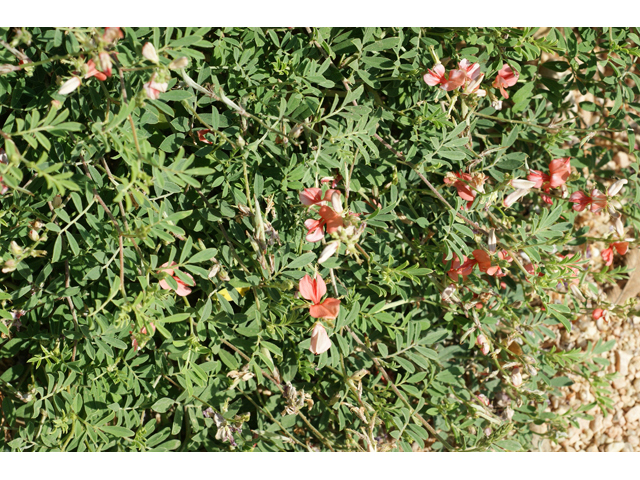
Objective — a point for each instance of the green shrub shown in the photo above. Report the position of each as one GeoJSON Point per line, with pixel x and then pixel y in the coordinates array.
{"type": "Point", "coordinates": [155, 254]}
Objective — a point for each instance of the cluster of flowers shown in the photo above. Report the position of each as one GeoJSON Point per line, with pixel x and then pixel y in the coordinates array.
{"type": "Point", "coordinates": [334, 220]}
{"type": "Point", "coordinates": [327, 309]}
{"type": "Point", "coordinates": [559, 172]}
{"type": "Point", "coordinates": [467, 184]}
{"type": "Point", "coordinates": [153, 88]}
{"type": "Point", "coordinates": [480, 258]}
{"type": "Point", "coordinates": [109, 37]}
{"type": "Point", "coordinates": [468, 78]}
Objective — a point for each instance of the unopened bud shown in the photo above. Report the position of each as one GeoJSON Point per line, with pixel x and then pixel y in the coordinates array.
{"type": "Point", "coordinates": [336, 203]}
{"type": "Point", "coordinates": [149, 52]}
{"type": "Point", "coordinates": [328, 251]}
{"type": "Point", "coordinates": [448, 294]}
{"type": "Point", "coordinates": [482, 342]}
{"type": "Point", "coordinates": [15, 248]}
{"type": "Point", "coordinates": [240, 142]}
{"type": "Point", "coordinates": [516, 377]}
{"type": "Point", "coordinates": [497, 104]}
{"type": "Point", "coordinates": [508, 414]}
{"type": "Point", "coordinates": [492, 240]}
{"type": "Point", "coordinates": [7, 68]}
{"type": "Point", "coordinates": [57, 201]}
{"type": "Point", "coordinates": [9, 266]}
{"type": "Point", "coordinates": [514, 196]}
{"type": "Point", "coordinates": [617, 186]}
{"type": "Point", "coordinates": [33, 235]}
{"type": "Point", "coordinates": [483, 399]}
{"type": "Point", "coordinates": [619, 227]}
{"type": "Point", "coordinates": [522, 184]}
{"type": "Point", "coordinates": [577, 293]}
{"type": "Point", "coordinates": [70, 85]}
{"type": "Point", "coordinates": [179, 63]}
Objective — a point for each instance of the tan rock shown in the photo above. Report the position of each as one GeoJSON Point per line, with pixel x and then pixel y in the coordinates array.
{"type": "Point", "coordinates": [597, 423]}
{"type": "Point", "coordinates": [633, 414]}
{"type": "Point", "coordinates": [633, 440]}
{"type": "Point", "coordinates": [615, 447]}
{"type": "Point", "coordinates": [622, 361]}
{"type": "Point", "coordinates": [614, 432]}
{"type": "Point", "coordinates": [540, 429]}
{"type": "Point", "coordinates": [619, 383]}
{"type": "Point", "coordinates": [592, 448]}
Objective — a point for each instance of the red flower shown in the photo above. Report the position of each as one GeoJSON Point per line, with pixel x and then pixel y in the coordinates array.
{"type": "Point", "coordinates": [505, 78]}
{"type": "Point", "coordinates": [581, 200]}
{"type": "Point", "coordinates": [484, 263]}
{"type": "Point", "coordinates": [313, 196]}
{"type": "Point", "coordinates": [466, 184]}
{"type": "Point", "coordinates": [597, 313]}
{"type": "Point", "coordinates": [559, 170]}
{"type": "Point", "coordinates": [457, 269]}
{"type": "Point", "coordinates": [607, 256]}
{"type": "Point", "coordinates": [202, 138]}
{"type": "Point", "coordinates": [93, 72]}
{"type": "Point", "coordinates": [183, 290]}
{"type": "Point", "coordinates": [314, 290]}
{"type": "Point", "coordinates": [599, 200]}
{"type": "Point", "coordinates": [438, 76]}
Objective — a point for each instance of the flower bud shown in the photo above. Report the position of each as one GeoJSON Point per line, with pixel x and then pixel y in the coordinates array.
{"type": "Point", "coordinates": [15, 248]}
{"type": "Point", "coordinates": [9, 266]}
{"type": "Point", "coordinates": [179, 63]}
{"type": "Point", "coordinates": [516, 377]}
{"type": "Point", "coordinates": [492, 240]}
{"type": "Point", "coordinates": [448, 294]}
{"type": "Point", "coordinates": [483, 399]}
{"type": "Point", "coordinates": [320, 341]}
{"type": "Point", "coordinates": [69, 86]}
{"type": "Point", "coordinates": [149, 52]}
{"type": "Point", "coordinates": [328, 251]}
{"type": "Point", "coordinates": [514, 196]}
{"type": "Point", "coordinates": [33, 235]}
{"type": "Point", "coordinates": [619, 227]}
{"type": "Point", "coordinates": [105, 63]}
{"type": "Point", "coordinates": [577, 293]}
{"type": "Point", "coordinates": [616, 187]}
{"type": "Point", "coordinates": [57, 201]}
{"type": "Point", "coordinates": [7, 68]}
{"type": "Point", "coordinates": [522, 184]}
{"type": "Point", "coordinates": [336, 203]}
{"type": "Point", "coordinates": [497, 104]}
{"type": "Point", "coordinates": [482, 342]}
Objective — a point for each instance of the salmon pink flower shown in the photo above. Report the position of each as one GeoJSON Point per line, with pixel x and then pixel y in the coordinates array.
{"type": "Point", "coordinates": [581, 200]}
{"type": "Point", "coordinates": [314, 230]}
{"type": "Point", "coordinates": [597, 313]}
{"type": "Point", "coordinates": [436, 76]}
{"type": "Point", "coordinates": [183, 290]}
{"type": "Point", "coordinates": [92, 71]}
{"type": "Point", "coordinates": [313, 290]}
{"type": "Point", "coordinates": [313, 196]}
{"type": "Point", "coordinates": [505, 78]}
{"type": "Point", "coordinates": [484, 263]}
{"type": "Point", "coordinates": [599, 200]}
{"type": "Point", "coordinates": [320, 341]}
{"type": "Point", "coordinates": [607, 256]}
{"type": "Point", "coordinates": [473, 78]}
{"type": "Point", "coordinates": [559, 171]}
{"type": "Point", "coordinates": [332, 219]}
{"type": "Point", "coordinates": [463, 269]}
{"type": "Point", "coordinates": [621, 247]}
{"type": "Point", "coordinates": [466, 184]}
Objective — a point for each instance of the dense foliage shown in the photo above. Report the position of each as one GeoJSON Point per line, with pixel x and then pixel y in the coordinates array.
{"type": "Point", "coordinates": [292, 239]}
